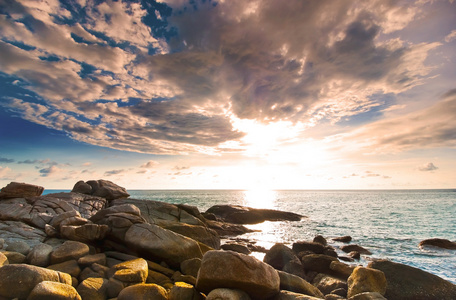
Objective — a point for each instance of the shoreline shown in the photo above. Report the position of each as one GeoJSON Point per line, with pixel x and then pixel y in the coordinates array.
{"type": "Point", "coordinates": [102, 221]}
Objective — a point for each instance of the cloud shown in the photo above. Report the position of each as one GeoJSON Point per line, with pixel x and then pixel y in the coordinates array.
{"type": "Point", "coordinates": [432, 127]}
{"type": "Point", "coordinates": [171, 79]}
{"type": "Point", "coordinates": [451, 36]}
{"type": "Point", "coordinates": [428, 167]}
{"type": "Point", "coordinates": [6, 160]}
{"type": "Point", "coordinates": [150, 164]}
{"type": "Point", "coordinates": [179, 168]}
{"type": "Point", "coordinates": [52, 170]}
{"type": "Point", "coordinates": [114, 172]}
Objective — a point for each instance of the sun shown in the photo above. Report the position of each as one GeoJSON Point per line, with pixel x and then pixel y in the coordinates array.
{"type": "Point", "coordinates": [260, 198]}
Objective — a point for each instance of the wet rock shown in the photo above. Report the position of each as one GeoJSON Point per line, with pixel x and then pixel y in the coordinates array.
{"type": "Point", "coordinates": [227, 294]}
{"type": "Point", "coordinates": [69, 250]}
{"type": "Point", "coordinates": [227, 269]}
{"type": "Point", "coordinates": [155, 242]}
{"type": "Point", "coordinates": [320, 239]}
{"type": "Point", "coordinates": [93, 289]}
{"type": "Point", "coordinates": [236, 248]}
{"type": "Point", "coordinates": [53, 290]}
{"type": "Point", "coordinates": [301, 246]}
{"type": "Point", "coordinates": [327, 284]}
{"type": "Point", "coordinates": [279, 255]}
{"type": "Point", "coordinates": [184, 291]}
{"type": "Point", "coordinates": [247, 215]}
{"type": "Point", "coordinates": [29, 277]}
{"type": "Point", "coordinates": [143, 291]}
{"type": "Point", "coordinates": [350, 248]}
{"type": "Point", "coordinates": [20, 190]}
{"type": "Point", "coordinates": [296, 284]}
{"type": "Point", "coordinates": [343, 239]}
{"type": "Point", "coordinates": [440, 243]}
{"type": "Point", "coordinates": [405, 282]}
{"type": "Point", "coordinates": [366, 280]}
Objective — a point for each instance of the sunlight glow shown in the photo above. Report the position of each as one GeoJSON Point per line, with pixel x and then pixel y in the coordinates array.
{"type": "Point", "coordinates": [260, 198]}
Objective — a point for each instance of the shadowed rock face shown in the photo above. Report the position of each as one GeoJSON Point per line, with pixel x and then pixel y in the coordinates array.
{"type": "Point", "coordinates": [246, 215]}
{"type": "Point", "coordinates": [20, 190]}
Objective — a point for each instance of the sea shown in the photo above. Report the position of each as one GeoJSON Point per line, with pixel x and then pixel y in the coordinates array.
{"type": "Point", "coordinates": [389, 223]}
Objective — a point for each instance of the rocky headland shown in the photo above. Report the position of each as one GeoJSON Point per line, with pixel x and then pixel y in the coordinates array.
{"type": "Point", "coordinates": [97, 243]}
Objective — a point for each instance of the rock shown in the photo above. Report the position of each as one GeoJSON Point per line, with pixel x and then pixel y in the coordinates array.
{"type": "Point", "coordinates": [29, 277]}
{"type": "Point", "coordinates": [144, 291]}
{"type": "Point", "coordinates": [343, 239]}
{"type": "Point", "coordinates": [15, 257]}
{"type": "Point", "coordinates": [334, 297]}
{"type": "Point", "coordinates": [18, 246]}
{"type": "Point", "coordinates": [405, 282]}
{"type": "Point", "coordinates": [198, 233]}
{"type": "Point", "coordinates": [85, 233]}
{"type": "Point", "coordinates": [12, 231]}
{"type": "Point", "coordinates": [327, 284]}
{"type": "Point", "coordinates": [368, 296]}
{"type": "Point", "coordinates": [287, 295]}
{"type": "Point", "coordinates": [350, 248]}
{"type": "Point", "coordinates": [131, 272]}
{"type": "Point", "coordinates": [82, 188]}
{"type": "Point", "coordinates": [160, 213]}
{"type": "Point", "coordinates": [70, 267]}
{"type": "Point", "coordinates": [191, 266]}
{"type": "Point", "coordinates": [318, 262]}
{"type": "Point", "coordinates": [354, 255]}
{"type": "Point", "coordinates": [279, 255]}
{"type": "Point", "coordinates": [20, 190]}
{"type": "Point", "coordinates": [320, 239]}
{"type": "Point", "coordinates": [294, 267]}
{"type": "Point", "coordinates": [107, 189]}
{"type": "Point", "coordinates": [246, 215]}
{"type": "Point", "coordinates": [300, 246]}
{"type": "Point", "coordinates": [227, 229]}
{"type": "Point", "coordinates": [227, 269]}
{"type": "Point", "coordinates": [341, 270]}
{"type": "Point", "coordinates": [58, 219]}
{"type": "Point", "coordinates": [296, 284]}
{"type": "Point", "coordinates": [440, 243]}
{"type": "Point", "coordinates": [158, 278]}
{"type": "Point", "coordinates": [89, 260]}
{"type": "Point", "coordinates": [3, 259]}
{"type": "Point", "coordinates": [93, 289]}
{"type": "Point", "coordinates": [58, 203]}
{"type": "Point", "coordinates": [46, 290]}
{"type": "Point", "coordinates": [157, 243]}
{"type": "Point", "coordinates": [184, 291]}
{"type": "Point", "coordinates": [227, 294]}
{"type": "Point", "coordinates": [366, 280]}
{"type": "Point", "coordinates": [69, 250]}
{"type": "Point", "coordinates": [236, 248]}
{"type": "Point", "coordinates": [94, 271]}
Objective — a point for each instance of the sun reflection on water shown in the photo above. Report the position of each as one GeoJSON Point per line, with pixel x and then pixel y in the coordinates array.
{"type": "Point", "coordinates": [260, 198]}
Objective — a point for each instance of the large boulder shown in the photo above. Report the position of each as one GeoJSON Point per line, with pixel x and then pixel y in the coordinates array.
{"type": "Point", "coordinates": [20, 190]}
{"type": "Point", "coordinates": [199, 233]}
{"type": "Point", "coordinates": [357, 248]}
{"type": "Point", "coordinates": [14, 231]}
{"type": "Point", "coordinates": [84, 233]}
{"type": "Point", "coordinates": [440, 243]}
{"type": "Point", "coordinates": [143, 291]}
{"type": "Point", "coordinates": [247, 215]}
{"type": "Point", "coordinates": [305, 246]}
{"type": "Point", "coordinates": [53, 290]}
{"type": "Point", "coordinates": [366, 280]}
{"type": "Point", "coordinates": [227, 269]}
{"type": "Point", "coordinates": [130, 272]}
{"type": "Point", "coordinates": [107, 189]}
{"type": "Point", "coordinates": [157, 243]}
{"type": "Point", "coordinates": [407, 283]}
{"type": "Point", "coordinates": [28, 276]}
{"type": "Point", "coordinates": [296, 284]}
{"type": "Point", "coordinates": [160, 213]}
{"type": "Point", "coordinates": [227, 294]}
{"type": "Point", "coordinates": [58, 203]}
{"type": "Point", "coordinates": [184, 291]}
{"type": "Point", "coordinates": [93, 288]}
{"type": "Point", "coordinates": [69, 250]}
{"type": "Point", "coordinates": [318, 262]}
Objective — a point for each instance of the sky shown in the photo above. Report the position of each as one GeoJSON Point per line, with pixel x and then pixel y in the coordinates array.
{"type": "Point", "coordinates": [229, 94]}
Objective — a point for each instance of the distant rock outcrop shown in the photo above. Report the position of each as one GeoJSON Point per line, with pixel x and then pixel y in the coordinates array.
{"type": "Point", "coordinates": [247, 215]}
{"type": "Point", "coordinates": [440, 243]}
{"type": "Point", "coordinates": [20, 190]}
{"type": "Point", "coordinates": [100, 188]}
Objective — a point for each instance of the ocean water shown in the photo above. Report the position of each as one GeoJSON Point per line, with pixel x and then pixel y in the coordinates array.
{"type": "Point", "coordinates": [390, 223]}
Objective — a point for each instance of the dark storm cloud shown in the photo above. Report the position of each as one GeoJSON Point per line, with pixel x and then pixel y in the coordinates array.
{"type": "Point", "coordinates": [146, 78]}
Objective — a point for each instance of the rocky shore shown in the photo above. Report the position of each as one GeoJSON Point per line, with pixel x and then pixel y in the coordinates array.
{"type": "Point", "coordinates": [96, 243]}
